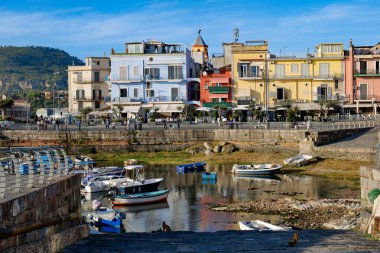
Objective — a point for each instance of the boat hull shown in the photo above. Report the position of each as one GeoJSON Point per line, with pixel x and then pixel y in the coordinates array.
{"type": "Point", "coordinates": [141, 198]}
{"type": "Point", "coordinates": [260, 226]}
{"type": "Point", "coordinates": [249, 170]}
{"type": "Point", "coordinates": [139, 187]}
{"type": "Point", "coordinates": [192, 167]}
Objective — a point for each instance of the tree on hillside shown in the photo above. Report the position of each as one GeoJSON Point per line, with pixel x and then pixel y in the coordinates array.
{"type": "Point", "coordinates": [4, 105]}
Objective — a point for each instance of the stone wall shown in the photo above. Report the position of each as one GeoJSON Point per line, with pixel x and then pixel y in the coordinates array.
{"type": "Point", "coordinates": [369, 179]}
{"type": "Point", "coordinates": [326, 137]}
{"type": "Point", "coordinates": [42, 214]}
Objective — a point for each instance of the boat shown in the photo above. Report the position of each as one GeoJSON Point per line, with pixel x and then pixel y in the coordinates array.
{"type": "Point", "coordinates": [260, 226]}
{"type": "Point", "coordinates": [140, 198]}
{"type": "Point", "coordinates": [298, 160]}
{"type": "Point", "coordinates": [136, 183]}
{"type": "Point", "coordinates": [191, 167]}
{"type": "Point", "coordinates": [99, 177]}
{"type": "Point", "coordinates": [209, 176]}
{"type": "Point", "coordinates": [83, 162]}
{"type": "Point", "coordinates": [99, 184]}
{"type": "Point", "coordinates": [256, 169]}
{"type": "Point", "coordinates": [100, 171]}
{"type": "Point", "coordinates": [116, 221]}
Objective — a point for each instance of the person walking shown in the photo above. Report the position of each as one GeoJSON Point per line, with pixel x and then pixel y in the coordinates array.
{"type": "Point", "coordinates": [165, 124]}
{"type": "Point", "coordinates": [178, 122]}
{"type": "Point", "coordinates": [79, 124]}
{"type": "Point", "coordinates": [107, 124]}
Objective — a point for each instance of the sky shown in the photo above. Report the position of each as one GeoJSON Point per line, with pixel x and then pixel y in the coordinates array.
{"type": "Point", "coordinates": [93, 27]}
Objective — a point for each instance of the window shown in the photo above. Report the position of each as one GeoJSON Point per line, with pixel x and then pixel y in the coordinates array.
{"type": "Point", "coordinates": [377, 68]}
{"type": "Point", "coordinates": [175, 72]}
{"type": "Point", "coordinates": [363, 91]}
{"type": "Point", "coordinates": [363, 67]}
{"type": "Point", "coordinates": [79, 77]}
{"type": "Point", "coordinates": [243, 69]}
{"type": "Point", "coordinates": [80, 106]}
{"type": "Point", "coordinates": [136, 71]}
{"type": "Point", "coordinates": [304, 69]}
{"type": "Point", "coordinates": [280, 70]}
{"type": "Point", "coordinates": [123, 70]}
{"type": "Point", "coordinates": [324, 69]}
{"type": "Point", "coordinates": [97, 105]}
{"type": "Point", "coordinates": [174, 92]}
{"type": "Point", "coordinates": [80, 94]}
{"type": "Point", "coordinates": [96, 76]}
{"type": "Point", "coordinates": [97, 93]}
{"type": "Point", "coordinates": [136, 92]}
{"type": "Point", "coordinates": [324, 93]}
{"type": "Point", "coordinates": [134, 49]}
{"type": "Point", "coordinates": [123, 93]}
{"type": "Point", "coordinates": [336, 84]}
{"type": "Point", "coordinates": [255, 71]}
{"type": "Point", "coordinates": [206, 86]}
{"type": "Point", "coordinates": [150, 93]}
{"type": "Point", "coordinates": [330, 48]}
{"type": "Point", "coordinates": [294, 67]}
{"type": "Point", "coordinates": [152, 73]}
{"type": "Point", "coordinates": [280, 94]}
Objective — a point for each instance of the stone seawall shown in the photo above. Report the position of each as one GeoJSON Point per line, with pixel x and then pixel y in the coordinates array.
{"type": "Point", "coordinates": [42, 220]}
{"type": "Point", "coordinates": [326, 137]}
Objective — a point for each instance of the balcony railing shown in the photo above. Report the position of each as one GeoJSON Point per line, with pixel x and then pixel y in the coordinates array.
{"type": "Point", "coordinates": [83, 81]}
{"type": "Point", "coordinates": [367, 97]}
{"type": "Point", "coordinates": [217, 104]}
{"type": "Point", "coordinates": [368, 72]}
{"type": "Point", "coordinates": [94, 98]}
{"type": "Point", "coordinates": [147, 99]}
{"type": "Point", "coordinates": [250, 76]}
{"type": "Point", "coordinates": [219, 89]}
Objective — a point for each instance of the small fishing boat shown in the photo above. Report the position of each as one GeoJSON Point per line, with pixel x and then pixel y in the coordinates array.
{"type": "Point", "coordinates": [209, 176]}
{"type": "Point", "coordinates": [140, 198]}
{"type": "Point", "coordinates": [137, 182]}
{"type": "Point", "coordinates": [116, 221]}
{"type": "Point", "coordinates": [298, 160]}
{"type": "Point", "coordinates": [191, 167]}
{"type": "Point", "coordinates": [99, 184]}
{"type": "Point", "coordinates": [260, 226]}
{"type": "Point", "coordinates": [256, 169]}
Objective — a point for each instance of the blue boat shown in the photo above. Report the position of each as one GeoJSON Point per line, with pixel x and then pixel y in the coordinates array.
{"type": "Point", "coordinates": [115, 222]}
{"type": "Point", "coordinates": [209, 176]}
{"type": "Point", "coordinates": [191, 167]}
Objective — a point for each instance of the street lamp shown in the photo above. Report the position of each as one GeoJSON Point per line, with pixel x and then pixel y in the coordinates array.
{"type": "Point", "coordinates": [54, 84]}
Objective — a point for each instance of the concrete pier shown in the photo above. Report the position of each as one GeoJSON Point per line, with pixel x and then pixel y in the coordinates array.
{"type": "Point", "coordinates": [228, 241]}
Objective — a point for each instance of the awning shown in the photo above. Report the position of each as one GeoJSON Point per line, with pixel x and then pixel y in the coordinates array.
{"type": "Point", "coordinates": [168, 108]}
{"type": "Point", "coordinates": [240, 108]}
{"type": "Point", "coordinates": [308, 106]}
{"type": "Point", "coordinates": [203, 109]}
{"type": "Point", "coordinates": [360, 105]}
{"type": "Point", "coordinates": [218, 96]}
{"type": "Point", "coordinates": [131, 109]}
{"type": "Point", "coordinates": [281, 109]}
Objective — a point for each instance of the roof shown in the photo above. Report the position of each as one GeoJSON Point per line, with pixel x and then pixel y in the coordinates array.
{"type": "Point", "coordinates": [199, 40]}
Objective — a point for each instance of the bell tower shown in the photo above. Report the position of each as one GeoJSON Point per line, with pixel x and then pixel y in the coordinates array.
{"type": "Point", "coordinates": [200, 46]}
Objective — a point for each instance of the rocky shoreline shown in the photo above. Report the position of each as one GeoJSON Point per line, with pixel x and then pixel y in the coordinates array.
{"type": "Point", "coordinates": [344, 214]}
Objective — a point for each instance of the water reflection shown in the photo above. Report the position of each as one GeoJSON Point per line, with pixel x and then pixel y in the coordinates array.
{"type": "Point", "coordinates": [187, 207]}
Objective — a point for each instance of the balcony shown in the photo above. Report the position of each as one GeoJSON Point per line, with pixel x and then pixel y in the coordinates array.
{"type": "Point", "coordinates": [147, 99]}
{"type": "Point", "coordinates": [250, 76]}
{"type": "Point", "coordinates": [84, 99]}
{"type": "Point", "coordinates": [219, 89]}
{"type": "Point", "coordinates": [84, 81]}
{"type": "Point", "coordinates": [368, 72]}
{"type": "Point", "coordinates": [366, 97]}
{"type": "Point", "coordinates": [217, 104]}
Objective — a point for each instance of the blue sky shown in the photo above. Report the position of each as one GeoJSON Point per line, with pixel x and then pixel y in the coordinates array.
{"type": "Point", "coordinates": [92, 27]}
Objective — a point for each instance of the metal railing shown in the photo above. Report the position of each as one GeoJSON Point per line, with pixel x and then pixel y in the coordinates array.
{"type": "Point", "coordinates": [22, 169]}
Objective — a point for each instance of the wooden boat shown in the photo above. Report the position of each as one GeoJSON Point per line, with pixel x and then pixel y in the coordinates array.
{"type": "Point", "coordinates": [209, 176]}
{"type": "Point", "coordinates": [191, 167]}
{"type": "Point", "coordinates": [298, 160]}
{"type": "Point", "coordinates": [140, 198]}
{"type": "Point", "coordinates": [256, 169]}
{"type": "Point", "coordinates": [260, 226]}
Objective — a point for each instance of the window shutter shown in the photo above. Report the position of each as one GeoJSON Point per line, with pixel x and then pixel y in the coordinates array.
{"type": "Point", "coordinates": [329, 93]}
{"type": "Point", "coordinates": [316, 93]}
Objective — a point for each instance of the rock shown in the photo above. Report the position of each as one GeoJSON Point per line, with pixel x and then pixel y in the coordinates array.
{"type": "Point", "coordinates": [217, 149]}
{"type": "Point", "coordinates": [207, 146]}
{"type": "Point", "coordinates": [208, 152]}
{"type": "Point", "coordinates": [223, 143]}
{"type": "Point", "coordinates": [195, 150]}
{"type": "Point", "coordinates": [229, 148]}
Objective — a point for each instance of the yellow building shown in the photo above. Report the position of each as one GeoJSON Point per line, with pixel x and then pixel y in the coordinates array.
{"type": "Point", "coordinates": [270, 80]}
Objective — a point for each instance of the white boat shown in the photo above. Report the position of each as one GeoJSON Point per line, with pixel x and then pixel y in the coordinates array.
{"type": "Point", "coordinates": [99, 185]}
{"type": "Point", "coordinates": [103, 213]}
{"type": "Point", "coordinates": [260, 226]}
{"type": "Point", "coordinates": [298, 160]}
{"type": "Point", "coordinates": [256, 169]}
{"type": "Point", "coordinates": [140, 198]}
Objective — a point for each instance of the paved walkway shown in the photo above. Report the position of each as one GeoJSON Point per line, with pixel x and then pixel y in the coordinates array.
{"type": "Point", "coordinates": [228, 241]}
{"type": "Point", "coordinates": [367, 139]}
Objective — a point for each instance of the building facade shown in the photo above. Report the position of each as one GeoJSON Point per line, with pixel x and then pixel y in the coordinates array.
{"type": "Point", "coordinates": [362, 79]}
{"type": "Point", "coordinates": [270, 81]}
{"type": "Point", "coordinates": [216, 89]}
{"type": "Point", "coordinates": [87, 84]}
{"type": "Point", "coordinates": [153, 75]}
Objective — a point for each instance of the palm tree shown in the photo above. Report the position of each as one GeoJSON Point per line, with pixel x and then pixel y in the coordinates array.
{"type": "Point", "coordinates": [4, 105]}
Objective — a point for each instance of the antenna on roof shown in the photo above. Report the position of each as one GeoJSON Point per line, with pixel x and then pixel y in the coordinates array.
{"type": "Point", "coordinates": [235, 32]}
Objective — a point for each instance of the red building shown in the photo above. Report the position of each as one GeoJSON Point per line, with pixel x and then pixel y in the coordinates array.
{"type": "Point", "coordinates": [216, 89]}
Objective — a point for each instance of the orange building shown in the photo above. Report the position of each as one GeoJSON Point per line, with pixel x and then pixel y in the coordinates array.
{"type": "Point", "coordinates": [216, 89]}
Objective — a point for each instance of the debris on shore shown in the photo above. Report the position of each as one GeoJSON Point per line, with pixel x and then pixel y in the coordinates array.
{"type": "Point", "coordinates": [318, 214]}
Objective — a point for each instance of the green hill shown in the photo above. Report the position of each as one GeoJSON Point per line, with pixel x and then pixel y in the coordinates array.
{"type": "Point", "coordinates": [33, 68]}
